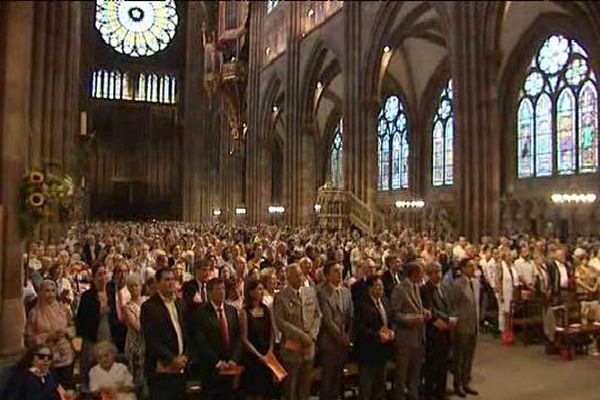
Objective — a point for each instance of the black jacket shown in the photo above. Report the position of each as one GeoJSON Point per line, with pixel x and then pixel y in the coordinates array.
{"type": "Point", "coordinates": [88, 315]}
{"type": "Point", "coordinates": [367, 322]}
{"type": "Point", "coordinates": [159, 333]}
{"type": "Point", "coordinates": [389, 283]}
{"type": "Point", "coordinates": [207, 340]}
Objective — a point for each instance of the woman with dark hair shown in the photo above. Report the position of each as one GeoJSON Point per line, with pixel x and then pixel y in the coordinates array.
{"type": "Point", "coordinates": [257, 333]}
{"type": "Point", "coordinates": [33, 379]}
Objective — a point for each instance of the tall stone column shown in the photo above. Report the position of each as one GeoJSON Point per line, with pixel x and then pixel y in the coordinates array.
{"type": "Point", "coordinates": [16, 36]}
{"type": "Point", "coordinates": [293, 148]}
{"type": "Point", "coordinates": [55, 79]}
{"type": "Point", "coordinates": [255, 168]}
{"type": "Point", "coordinates": [360, 139]}
{"type": "Point", "coordinates": [195, 175]}
{"type": "Point", "coordinates": [473, 56]}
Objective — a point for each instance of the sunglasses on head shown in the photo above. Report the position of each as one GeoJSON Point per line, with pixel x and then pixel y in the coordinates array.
{"type": "Point", "coordinates": [44, 356]}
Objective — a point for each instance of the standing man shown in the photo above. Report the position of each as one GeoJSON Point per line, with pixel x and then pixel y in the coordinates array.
{"type": "Point", "coordinates": [437, 300]}
{"type": "Point", "coordinates": [298, 318]}
{"type": "Point", "coordinates": [334, 341]}
{"type": "Point", "coordinates": [374, 340]}
{"type": "Point", "coordinates": [410, 317]}
{"type": "Point", "coordinates": [195, 291]}
{"type": "Point", "coordinates": [162, 323]}
{"type": "Point", "coordinates": [215, 336]}
{"type": "Point", "coordinates": [393, 274]}
{"type": "Point", "coordinates": [466, 307]}
{"type": "Point", "coordinates": [359, 288]}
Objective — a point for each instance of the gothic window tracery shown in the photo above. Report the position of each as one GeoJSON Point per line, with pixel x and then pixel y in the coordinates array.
{"type": "Point", "coordinates": [136, 28]}
{"type": "Point", "coordinates": [443, 139]}
{"type": "Point", "coordinates": [152, 87]}
{"type": "Point", "coordinates": [557, 113]}
{"type": "Point", "coordinates": [336, 164]}
{"type": "Point", "coordinates": [392, 145]}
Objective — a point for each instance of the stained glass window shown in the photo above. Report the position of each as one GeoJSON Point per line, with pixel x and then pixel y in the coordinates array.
{"type": "Point", "coordinates": [136, 28]}
{"type": "Point", "coordinates": [115, 85]}
{"type": "Point", "coordinates": [336, 156]}
{"type": "Point", "coordinates": [557, 116]}
{"type": "Point", "coordinates": [443, 139]}
{"type": "Point", "coordinates": [271, 4]}
{"type": "Point", "coordinates": [392, 145]}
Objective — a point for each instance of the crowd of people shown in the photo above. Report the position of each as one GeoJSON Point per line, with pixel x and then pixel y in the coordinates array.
{"type": "Point", "coordinates": [157, 310]}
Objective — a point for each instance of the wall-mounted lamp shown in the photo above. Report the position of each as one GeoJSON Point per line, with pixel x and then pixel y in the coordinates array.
{"type": "Point", "coordinates": [573, 198]}
{"type": "Point", "coordinates": [311, 13]}
{"type": "Point", "coordinates": [240, 211]}
{"type": "Point", "coordinates": [387, 49]}
{"type": "Point", "coordinates": [317, 208]}
{"type": "Point", "coordinates": [216, 212]}
{"type": "Point", "coordinates": [275, 109]}
{"type": "Point", "coordinates": [276, 209]}
{"type": "Point", "coordinates": [410, 204]}
{"type": "Point", "coordinates": [319, 85]}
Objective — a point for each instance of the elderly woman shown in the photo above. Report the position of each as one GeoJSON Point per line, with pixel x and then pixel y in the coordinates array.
{"type": "Point", "coordinates": [50, 323]}
{"type": "Point", "coordinates": [109, 378]}
{"type": "Point", "coordinates": [134, 344]}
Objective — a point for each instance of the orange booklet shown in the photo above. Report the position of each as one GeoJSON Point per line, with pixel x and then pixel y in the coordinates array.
{"type": "Point", "coordinates": [278, 371]}
{"type": "Point", "coordinates": [292, 346]}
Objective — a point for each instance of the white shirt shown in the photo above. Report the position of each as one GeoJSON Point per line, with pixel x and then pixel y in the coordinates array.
{"type": "Point", "coordinates": [489, 271]}
{"type": "Point", "coordinates": [118, 375]}
{"type": "Point", "coordinates": [595, 263]}
{"type": "Point", "coordinates": [526, 271]}
{"type": "Point", "coordinates": [172, 309]}
{"type": "Point", "coordinates": [564, 275]}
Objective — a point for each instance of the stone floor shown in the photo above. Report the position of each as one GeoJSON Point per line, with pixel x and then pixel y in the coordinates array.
{"type": "Point", "coordinates": [526, 373]}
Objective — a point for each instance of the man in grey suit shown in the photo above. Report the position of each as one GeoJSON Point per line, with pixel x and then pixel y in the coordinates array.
{"type": "Point", "coordinates": [409, 318]}
{"type": "Point", "coordinates": [466, 308]}
{"type": "Point", "coordinates": [334, 341]}
{"type": "Point", "coordinates": [298, 318]}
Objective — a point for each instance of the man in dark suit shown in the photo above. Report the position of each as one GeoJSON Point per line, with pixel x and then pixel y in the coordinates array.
{"type": "Point", "coordinates": [409, 318]}
{"type": "Point", "coordinates": [359, 288]}
{"type": "Point", "coordinates": [91, 250]}
{"type": "Point", "coordinates": [162, 324]}
{"type": "Point", "coordinates": [373, 340]}
{"type": "Point", "coordinates": [118, 295]}
{"type": "Point", "coordinates": [437, 300]}
{"type": "Point", "coordinates": [195, 291]}
{"type": "Point", "coordinates": [215, 336]}
{"type": "Point", "coordinates": [392, 275]}
{"type": "Point", "coordinates": [336, 327]}
{"type": "Point", "coordinates": [466, 307]}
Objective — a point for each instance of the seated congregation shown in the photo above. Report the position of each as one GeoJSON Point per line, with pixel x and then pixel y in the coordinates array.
{"type": "Point", "coordinates": [172, 310]}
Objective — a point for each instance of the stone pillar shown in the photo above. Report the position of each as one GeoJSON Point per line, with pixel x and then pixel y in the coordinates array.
{"type": "Point", "coordinates": [195, 193]}
{"type": "Point", "coordinates": [16, 36]}
{"type": "Point", "coordinates": [473, 64]}
{"type": "Point", "coordinates": [255, 171]}
{"type": "Point", "coordinates": [55, 85]}
{"type": "Point", "coordinates": [293, 104]}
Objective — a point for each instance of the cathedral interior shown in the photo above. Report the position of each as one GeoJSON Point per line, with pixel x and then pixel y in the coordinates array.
{"type": "Point", "coordinates": [454, 118]}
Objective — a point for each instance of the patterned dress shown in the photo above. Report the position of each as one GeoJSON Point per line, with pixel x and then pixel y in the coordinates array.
{"type": "Point", "coordinates": [134, 346]}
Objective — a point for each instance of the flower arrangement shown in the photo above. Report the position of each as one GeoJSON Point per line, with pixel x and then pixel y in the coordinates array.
{"type": "Point", "coordinates": [45, 196]}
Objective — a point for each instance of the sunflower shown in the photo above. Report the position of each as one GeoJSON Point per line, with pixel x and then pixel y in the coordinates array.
{"type": "Point", "coordinates": [36, 200]}
{"type": "Point", "coordinates": [36, 178]}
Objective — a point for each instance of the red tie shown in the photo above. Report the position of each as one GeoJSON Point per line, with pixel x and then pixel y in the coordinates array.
{"type": "Point", "coordinates": [224, 330]}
